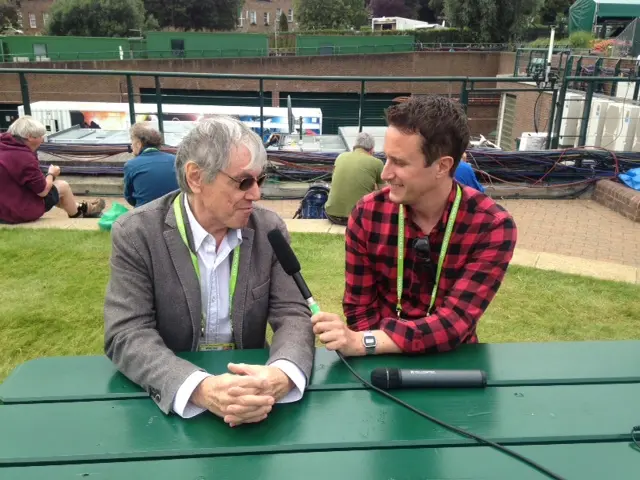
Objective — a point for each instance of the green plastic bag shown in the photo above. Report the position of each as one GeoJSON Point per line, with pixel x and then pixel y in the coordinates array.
{"type": "Point", "coordinates": [111, 215]}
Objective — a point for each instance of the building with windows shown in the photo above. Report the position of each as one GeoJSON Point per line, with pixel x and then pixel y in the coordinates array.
{"type": "Point", "coordinates": [262, 16]}
{"type": "Point", "coordinates": [33, 16]}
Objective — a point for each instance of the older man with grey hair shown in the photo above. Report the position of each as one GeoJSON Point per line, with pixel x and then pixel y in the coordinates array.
{"type": "Point", "coordinates": [25, 192]}
{"type": "Point", "coordinates": [194, 271]}
{"type": "Point", "coordinates": [355, 174]}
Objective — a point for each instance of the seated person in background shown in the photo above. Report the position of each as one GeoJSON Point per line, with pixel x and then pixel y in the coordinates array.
{"type": "Point", "coordinates": [409, 287]}
{"type": "Point", "coordinates": [194, 270]}
{"type": "Point", "coordinates": [465, 175]}
{"type": "Point", "coordinates": [152, 173]}
{"type": "Point", "coordinates": [25, 192]}
{"type": "Point", "coordinates": [355, 174]}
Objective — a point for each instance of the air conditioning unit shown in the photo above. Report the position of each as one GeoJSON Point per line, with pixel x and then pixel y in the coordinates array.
{"type": "Point", "coordinates": [612, 125]}
{"type": "Point", "coordinates": [533, 141]}
{"type": "Point", "coordinates": [628, 129]}
{"type": "Point", "coordinates": [571, 120]}
{"type": "Point", "coordinates": [597, 119]}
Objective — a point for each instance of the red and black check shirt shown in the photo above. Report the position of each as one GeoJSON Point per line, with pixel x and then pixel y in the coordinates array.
{"type": "Point", "coordinates": [480, 249]}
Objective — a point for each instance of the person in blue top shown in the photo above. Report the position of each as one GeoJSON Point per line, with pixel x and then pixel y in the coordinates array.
{"type": "Point", "coordinates": [466, 176]}
{"type": "Point", "coordinates": [151, 173]}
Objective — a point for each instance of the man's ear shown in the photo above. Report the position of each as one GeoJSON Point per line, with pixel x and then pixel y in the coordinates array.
{"type": "Point", "coordinates": [445, 165]}
{"type": "Point", "coordinates": [193, 175]}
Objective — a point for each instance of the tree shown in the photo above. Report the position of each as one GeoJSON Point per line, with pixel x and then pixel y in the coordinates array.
{"type": "Point", "coordinates": [390, 8]}
{"type": "Point", "coordinates": [8, 15]}
{"type": "Point", "coordinates": [552, 9]}
{"type": "Point", "coordinates": [195, 14]}
{"type": "Point", "coordinates": [435, 8]}
{"type": "Point", "coordinates": [497, 21]}
{"type": "Point", "coordinates": [284, 23]}
{"type": "Point", "coordinates": [330, 14]}
{"type": "Point", "coordinates": [96, 18]}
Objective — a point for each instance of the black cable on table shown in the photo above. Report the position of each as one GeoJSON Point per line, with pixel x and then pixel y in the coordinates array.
{"type": "Point", "coordinates": [503, 449]}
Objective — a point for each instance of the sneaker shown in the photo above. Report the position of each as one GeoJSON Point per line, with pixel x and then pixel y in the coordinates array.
{"type": "Point", "coordinates": [93, 208]}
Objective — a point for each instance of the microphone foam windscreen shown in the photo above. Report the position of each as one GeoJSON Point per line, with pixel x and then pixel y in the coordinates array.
{"type": "Point", "coordinates": [283, 252]}
{"type": "Point", "coordinates": [385, 378]}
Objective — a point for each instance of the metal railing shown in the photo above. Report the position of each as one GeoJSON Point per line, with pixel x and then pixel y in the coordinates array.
{"type": "Point", "coordinates": [464, 86]}
{"type": "Point", "coordinates": [460, 87]}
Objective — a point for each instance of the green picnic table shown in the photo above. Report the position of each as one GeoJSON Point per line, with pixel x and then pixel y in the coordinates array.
{"type": "Point", "coordinates": [569, 406]}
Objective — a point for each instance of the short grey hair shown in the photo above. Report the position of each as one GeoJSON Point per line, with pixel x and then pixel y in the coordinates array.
{"type": "Point", "coordinates": [27, 127]}
{"type": "Point", "coordinates": [365, 140]}
{"type": "Point", "coordinates": [209, 146]}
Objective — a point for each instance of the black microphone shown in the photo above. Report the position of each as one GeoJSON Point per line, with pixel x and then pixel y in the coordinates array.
{"type": "Point", "coordinates": [388, 378]}
{"type": "Point", "coordinates": [291, 266]}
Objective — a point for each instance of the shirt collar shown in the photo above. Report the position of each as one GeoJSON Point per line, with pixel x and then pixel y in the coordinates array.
{"type": "Point", "coordinates": [234, 236]}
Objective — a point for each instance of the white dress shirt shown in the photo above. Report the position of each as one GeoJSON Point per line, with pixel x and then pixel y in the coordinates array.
{"type": "Point", "coordinates": [215, 273]}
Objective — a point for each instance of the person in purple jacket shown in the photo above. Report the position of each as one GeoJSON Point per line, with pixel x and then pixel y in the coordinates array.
{"type": "Point", "coordinates": [25, 192]}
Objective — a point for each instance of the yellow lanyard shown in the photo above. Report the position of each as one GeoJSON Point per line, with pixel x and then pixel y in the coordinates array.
{"type": "Point", "coordinates": [443, 251]}
{"type": "Point", "coordinates": [234, 266]}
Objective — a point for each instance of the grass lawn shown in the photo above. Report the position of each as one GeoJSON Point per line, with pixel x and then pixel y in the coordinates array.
{"type": "Point", "coordinates": [52, 285]}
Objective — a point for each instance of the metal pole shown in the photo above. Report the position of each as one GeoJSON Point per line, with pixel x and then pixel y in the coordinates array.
{"type": "Point", "coordinates": [552, 113]}
{"type": "Point", "coordinates": [585, 118]}
{"type": "Point", "coordinates": [24, 88]}
{"type": "Point", "coordinates": [262, 109]}
{"type": "Point", "coordinates": [159, 104]}
{"type": "Point", "coordinates": [361, 112]}
{"type": "Point", "coordinates": [132, 108]}
{"type": "Point", "coordinates": [558, 120]}
{"type": "Point", "coordinates": [464, 96]}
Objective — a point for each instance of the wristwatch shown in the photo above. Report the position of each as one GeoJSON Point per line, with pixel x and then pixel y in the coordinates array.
{"type": "Point", "coordinates": [369, 342]}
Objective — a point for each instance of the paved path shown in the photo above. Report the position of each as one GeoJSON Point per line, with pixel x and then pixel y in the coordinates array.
{"type": "Point", "coordinates": [572, 236]}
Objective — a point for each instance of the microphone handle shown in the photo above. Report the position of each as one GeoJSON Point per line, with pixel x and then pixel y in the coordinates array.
{"type": "Point", "coordinates": [306, 293]}
{"type": "Point", "coordinates": [442, 379]}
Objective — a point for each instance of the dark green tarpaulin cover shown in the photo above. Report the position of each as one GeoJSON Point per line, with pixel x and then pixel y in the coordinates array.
{"type": "Point", "coordinates": [583, 12]}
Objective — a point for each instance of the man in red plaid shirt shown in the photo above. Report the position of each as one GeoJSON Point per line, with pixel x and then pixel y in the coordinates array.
{"type": "Point", "coordinates": [452, 243]}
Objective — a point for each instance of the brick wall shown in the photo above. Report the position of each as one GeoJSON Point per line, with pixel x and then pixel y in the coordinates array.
{"type": "Point", "coordinates": [619, 198]}
{"type": "Point", "coordinates": [507, 63]}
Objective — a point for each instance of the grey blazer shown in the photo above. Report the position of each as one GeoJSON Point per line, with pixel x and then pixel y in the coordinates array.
{"type": "Point", "coordinates": [153, 308]}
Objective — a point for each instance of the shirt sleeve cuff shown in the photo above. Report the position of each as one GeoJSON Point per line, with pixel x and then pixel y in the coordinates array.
{"type": "Point", "coordinates": [181, 404]}
{"type": "Point", "coordinates": [298, 378]}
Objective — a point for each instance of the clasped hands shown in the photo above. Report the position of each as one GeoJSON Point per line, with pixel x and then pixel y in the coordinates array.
{"type": "Point", "coordinates": [245, 395]}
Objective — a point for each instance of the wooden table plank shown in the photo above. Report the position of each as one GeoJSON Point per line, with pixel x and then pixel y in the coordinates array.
{"type": "Point", "coordinates": [323, 420]}
{"type": "Point", "coordinates": [571, 461]}
{"type": "Point", "coordinates": [95, 377]}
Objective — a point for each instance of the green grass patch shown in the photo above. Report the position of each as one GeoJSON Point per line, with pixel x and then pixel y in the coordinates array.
{"type": "Point", "coordinates": [52, 285]}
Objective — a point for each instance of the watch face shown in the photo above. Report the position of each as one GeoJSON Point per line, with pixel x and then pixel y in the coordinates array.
{"type": "Point", "coordinates": [369, 341]}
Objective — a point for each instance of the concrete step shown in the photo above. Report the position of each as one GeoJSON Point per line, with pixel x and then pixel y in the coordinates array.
{"type": "Point", "coordinates": [95, 186]}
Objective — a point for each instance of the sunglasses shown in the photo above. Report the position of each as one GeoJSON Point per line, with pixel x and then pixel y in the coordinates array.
{"type": "Point", "coordinates": [246, 183]}
{"type": "Point", "coordinates": [423, 252]}
{"type": "Point", "coordinates": [423, 249]}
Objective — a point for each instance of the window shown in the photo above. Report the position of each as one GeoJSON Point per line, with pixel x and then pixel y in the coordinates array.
{"type": "Point", "coordinates": [290, 15]}
{"type": "Point", "coordinates": [32, 20]}
{"type": "Point", "coordinates": [278, 13]}
{"type": "Point", "coordinates": [266, 18]}
{"type": "Point", "coordinates": [177, 47]}
{"type": "Point", "coordinates": [40, 51]}
{"type": "Point", "coordinates": [240, 21]}
{"type": "Point", "coordinates": [20, 23]}
{"type": "Point", "coordinates": [253, 17]}
{"type": "Point", "coordinates": [45, 18]}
